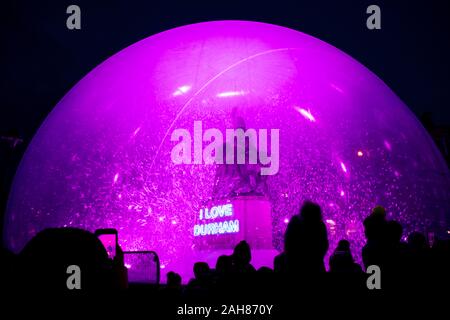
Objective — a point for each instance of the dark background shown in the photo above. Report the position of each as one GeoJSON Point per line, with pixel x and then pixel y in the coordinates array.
{"type": "Point", "coordinates": [40, 59]}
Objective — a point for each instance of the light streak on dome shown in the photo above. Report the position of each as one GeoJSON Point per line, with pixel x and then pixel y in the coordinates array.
{"type": "Point", "coordinates": [306, 113]}
{"type": "Point", "coordinates": [227, 94]}
{"type": "Point", "coordinates": [182, 90]}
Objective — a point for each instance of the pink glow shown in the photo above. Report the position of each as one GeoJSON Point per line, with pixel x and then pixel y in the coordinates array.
{"type": "Point", "coordinates": [172, 79]}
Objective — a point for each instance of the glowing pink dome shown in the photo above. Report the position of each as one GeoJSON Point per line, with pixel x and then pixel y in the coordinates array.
{"type": "Point", "coordinates": [103, 159]}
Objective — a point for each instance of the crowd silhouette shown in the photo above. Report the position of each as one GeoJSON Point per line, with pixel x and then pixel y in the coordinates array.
{"type": "Point", "coordinates": [411, 266]}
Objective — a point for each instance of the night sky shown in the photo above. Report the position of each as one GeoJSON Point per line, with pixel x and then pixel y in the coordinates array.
{"type": "Point", "coordinates": [40, 59]}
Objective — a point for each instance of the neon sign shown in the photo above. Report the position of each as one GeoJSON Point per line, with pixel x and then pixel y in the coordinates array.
{"type": "Point", "coordinates": [215, 228]}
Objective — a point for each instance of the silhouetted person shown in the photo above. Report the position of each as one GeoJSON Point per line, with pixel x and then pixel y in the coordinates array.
{"type": "Point", "coordinates": [440, 253]}
{"type": "Point", "coordinates": [306, 241]}
{"type": "Point", "coordinates": [46, 257]}
{"type": "Point", "coordinates": [172, 291]}
{"type": "Point", "coordinates": [385, 249]}
{"type": "Point", "coordinates": [265, 283]}
{"type": "Point", "coordinates": [199, 287]}
{"type": "Point", "coordinates": [280, 263]}
{"type": "Point", "coordinates": [394, 231]}
{"type": "Point", "coordinates": [395, 263]}
{"type": "Point", "coordinates": [345, 274]}
{"type": "Point", "coordinates": [341, 261]}
{"type": "Point", "coordinates": [202, 275]}
{"type": "Point", "coordinates": [224, 265]}
{"type": "Point", "coordinates": [241, 281]}
{"type": "Point", "coordinates": [173, 280]}
{"type": "Point", "coordinates": [201, 271]}
{"type": "Point", "coordinates": [8, 266]}
{"type": "Point", "coordinates": [373, 252]}
{"type": "Point", "coordinates": [223, 275]}
{"type": "Point", "coordinates": [419, 260]}
{"type": "Point", "coordinates": [241, 258]}
{"type": "Point", "coordinates": [417, 242]}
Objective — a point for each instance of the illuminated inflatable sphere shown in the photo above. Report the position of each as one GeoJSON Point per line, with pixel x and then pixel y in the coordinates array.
{"type": "Point", "coordinates": [104, 156]}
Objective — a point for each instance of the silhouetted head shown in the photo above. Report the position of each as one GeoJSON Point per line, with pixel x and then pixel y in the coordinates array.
{"type": "Point", "coordinates": [201, 270]}
{"type": "Point", "coordinates": [343, 245]}
{"type": "Point", "coordinates": [264, 270]}
{"type": "Point", "coordinates": [224, 264]}
{"type": "Point", "coordinates": [242, 253]}
{"type": "Point", "coordinates": [173, 279]}
{"type": "Point", "coordinates": [46, 258]}
{"type": "Point", "coordinates": [379, 212]}
{"type": "Point", "coordinates": [417, 240]}
{"type": "Point", "coordinates": [342, 260]}
{"type": "Point", "coordinates": [311, 211]}
{"type": "Point", "coordinates": [375, 224]}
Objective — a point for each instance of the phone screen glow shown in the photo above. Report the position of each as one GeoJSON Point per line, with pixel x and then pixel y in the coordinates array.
{"type": "Point", "coordinates": [109, 242]}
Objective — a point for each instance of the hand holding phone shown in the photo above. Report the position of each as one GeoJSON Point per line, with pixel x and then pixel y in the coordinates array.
{"type": "Point", "coordinates": [109, 238]}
